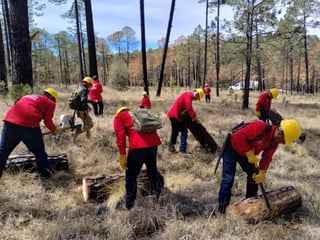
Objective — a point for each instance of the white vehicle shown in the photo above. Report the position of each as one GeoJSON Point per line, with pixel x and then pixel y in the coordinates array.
{"type": "Point", "coordinates": [240, 85]}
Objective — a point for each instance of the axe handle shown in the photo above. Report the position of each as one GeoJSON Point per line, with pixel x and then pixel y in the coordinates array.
{"type": "Point", "coordinates": [264, 195]}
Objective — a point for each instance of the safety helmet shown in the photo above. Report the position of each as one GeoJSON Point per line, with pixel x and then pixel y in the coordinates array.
{"type": "Point", "coordinates": [274, 92]}
{"type": "Point", "coordinates": [88, 80]}
{"type": "Point", "coordinates": [206, 85]}
{"type": "Point", "coordinates": [120, 109]}
{"type": "Point", "coordinates": [201, 93]}
{"type": "Point", "coordinates": [53, 93]}
{"type": "Point", "coordinates": [291, 131]}
{"type": "Point", "coordinates": [144, 93]}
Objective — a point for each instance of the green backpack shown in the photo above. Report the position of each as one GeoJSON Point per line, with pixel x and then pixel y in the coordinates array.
{"type": "Point", "coordinates": [75, 99]}
{"type": "Point", "coordinates": [144, 121]}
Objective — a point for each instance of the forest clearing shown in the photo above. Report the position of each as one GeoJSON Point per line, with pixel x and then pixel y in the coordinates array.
{"type": "Point", "coordinates": [186, 208]}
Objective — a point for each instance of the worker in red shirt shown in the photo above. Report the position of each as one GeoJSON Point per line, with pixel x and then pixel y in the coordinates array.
{"type": "Point", "coordinates": [263, 104]}
{"type": "Point", "coordinates": [182, 103]}
{"type": "Point", "coordinates": [242, 148]}
{"type": "Point", "coordinates": [143, 148]}
{"type": "Point", "coordinates": [145, 101]}
{"type": "Point", "coordinates": [95, 95]}
{"type": "Point", "coordinates": [22, 123]}
{"type": "Point", "coordinates": [207, 91]}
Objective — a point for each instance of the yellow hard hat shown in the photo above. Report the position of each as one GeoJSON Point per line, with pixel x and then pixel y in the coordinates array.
{"type": "Point", "coordinates": [88, 80]}
{"type": "Point", "coordinates": [201, 93]}
{"type": "Point", "coordinates": [274, 92]}
{"type": "Point", "coordinates": [121, 109]}
{"type": "Point", "coordinates": [52, 93]}
{"type": "Point", "coordinates": [144, 93]}
{"type": "Point", "coordinates": [291, 131]}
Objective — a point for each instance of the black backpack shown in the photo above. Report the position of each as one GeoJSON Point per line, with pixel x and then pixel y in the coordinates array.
{"type": "Point", "coordinates": [75, 99]}
{"type": "Point", "coordinates": [257, 138]}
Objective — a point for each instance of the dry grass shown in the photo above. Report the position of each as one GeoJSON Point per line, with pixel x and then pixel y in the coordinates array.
{"type": "Point", "coordinates": [30, 210]}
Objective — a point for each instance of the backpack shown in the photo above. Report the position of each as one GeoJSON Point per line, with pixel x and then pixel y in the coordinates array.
{"type": "Point", "coordinates": [144, 121]}
{"type": "Point", "coordinates": [257, 138]}
{"type": "Point", "coordinates": [75, 99]}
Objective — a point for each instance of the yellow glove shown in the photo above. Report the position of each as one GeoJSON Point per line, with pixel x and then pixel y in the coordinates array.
{"type": "Point", "coordinates": [58, 131]}
{"type": "Point", "coordinates": [123, 162]}
{"type": "Point", "coordinates": [196, 119]}
{"type": "Point", "coordinates": [258, 114]}
{"type": "Point", "coordinates": [259, 177]}
{"type": "Point", "coordinates": [252, 158]}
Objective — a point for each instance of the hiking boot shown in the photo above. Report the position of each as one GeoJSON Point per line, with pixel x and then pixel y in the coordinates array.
{"type": "Point", "coordinates": [171, 148]}
{"type": "Point", "coordinates": [76, 134]}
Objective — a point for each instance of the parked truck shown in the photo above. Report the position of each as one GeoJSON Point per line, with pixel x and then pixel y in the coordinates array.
{"type": "Point", "coordinates": [253, 85]}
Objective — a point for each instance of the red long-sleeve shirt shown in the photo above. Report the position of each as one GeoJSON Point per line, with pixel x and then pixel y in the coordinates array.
{"type": "Point", "coordinates": [240, 141]}
{"type": "Point", "coordinates": [183, 102]}
{"type": "Point", "coordinates": [123, 127]}
{"type": "Point", "coordinates": [30, 110]}
{"type": "Point", "coordinates": [145, 102]}
{"type": "Point", "coordinates": [95, 91]}
{"type": "Point", "coordinates": [264, 102]}
{"type": "Point", "coordinates": [207, 90]}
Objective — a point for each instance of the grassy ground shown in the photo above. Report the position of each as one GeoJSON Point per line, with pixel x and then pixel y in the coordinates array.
{"type": "Point", "coordinates": [185, 210]}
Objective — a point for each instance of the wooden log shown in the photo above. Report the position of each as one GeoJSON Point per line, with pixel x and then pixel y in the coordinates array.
{"type": "Point", "coordinates": [284, 200]}
{"type": "Point", "coordinates": [98, 187]}
{"type": "Point", "coordinates": [200, 133]}
{"type": "Point", "coordinates": [27, 162]}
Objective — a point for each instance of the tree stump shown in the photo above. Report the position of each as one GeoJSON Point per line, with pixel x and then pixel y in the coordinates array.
{"type": "Point", "coordinates": [200, 133]}
{"type": "Point", "coordinates": [27, 162]}
{"type": "Point", "coordinates": [284, 200]}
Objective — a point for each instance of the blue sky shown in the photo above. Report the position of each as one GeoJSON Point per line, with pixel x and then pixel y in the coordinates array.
{"type": "Point", "coordinates": [110, 16]}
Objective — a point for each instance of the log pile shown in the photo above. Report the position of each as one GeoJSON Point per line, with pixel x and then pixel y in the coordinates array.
{"type": "Point", "coordinates": [27, 162]}
{"type": "Point", "coordinates": [200, 133]}
{"type": "Point", "coordinates": [284, 200]}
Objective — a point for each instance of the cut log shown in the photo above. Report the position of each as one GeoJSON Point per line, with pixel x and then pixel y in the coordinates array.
{"type": "Point", "coordinates": [200, 133]}
{"type": "Point", "coordinates": [27, 162]}
{"type": "Point", "coordinates": [98, 187]}
{"type": "Point", "coordinates": [284, 200]}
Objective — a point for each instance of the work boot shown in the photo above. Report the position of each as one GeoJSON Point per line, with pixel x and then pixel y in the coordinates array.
{"type": "Point", "coordinates": [76, 134]}
{"type": "Point", "coordinates": [171, 148]}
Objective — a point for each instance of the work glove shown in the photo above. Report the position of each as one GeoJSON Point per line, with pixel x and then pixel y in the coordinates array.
{"type": "Point", "coordinates": [252, 158]}
{"type": "Point", "coordinates": [196, 119]}
{"type": "Point", "coordinates": [259, 177]}
{"type": "Point", "coordinates": [258, 114]}
{"type": "Point", "coordinates": [123, 162]}
{"type": "Point", "coordinates": [58, 131]}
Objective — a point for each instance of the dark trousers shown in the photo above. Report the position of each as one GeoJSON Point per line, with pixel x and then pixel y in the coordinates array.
{"type": "Point", "coordinates": [177, 127]}
{"type": "Point", "coordinates": [13, 134]}
{"type": "Point", "coordinates": [97, 108]}
{"type": "Point", "coordinates": [230, 159]}
{"type": "Point", "coordinates": [207, 97]}
{"type": "Point", "coordinates": [135, 160]}
{"type": "Point", "coordinates": [264, 116]}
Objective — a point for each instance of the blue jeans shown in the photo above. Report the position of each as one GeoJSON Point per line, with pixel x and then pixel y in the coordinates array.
{"type": "Point", "coordinates": [13, 134]}
{"type": "Point", "coordinates": [135, 160]}
{"type": "Point", "coordinates": [230, 159]}
{"type": "Point", "coordinates": [177, 127]}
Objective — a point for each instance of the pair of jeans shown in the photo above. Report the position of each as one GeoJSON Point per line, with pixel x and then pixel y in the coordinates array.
{"type": "Point", "coordinates": [135, 160]}
{"type": "Point", "coordinates": [176, 127]}
{"type": "Point", "coordinates": [230, 159]}
{"type": "Point", "coordinates": [13, 134]}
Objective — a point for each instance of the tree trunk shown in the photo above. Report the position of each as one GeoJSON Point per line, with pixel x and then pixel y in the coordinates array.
{"type": "Point", "coordinates": [26, 162]}
{"type": "Point", "coordinates": [284, 200]}
{"type": "Point", "coordinates": [93, 69]}
{"type": "Point", "coordinates": [143, 48]}
{"type": "Point", "coordinates": [3, 68]}
{"type": "Point", "coordinates": [165, 49]}
{"type": "Point", "coordinates": [21, 45]}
